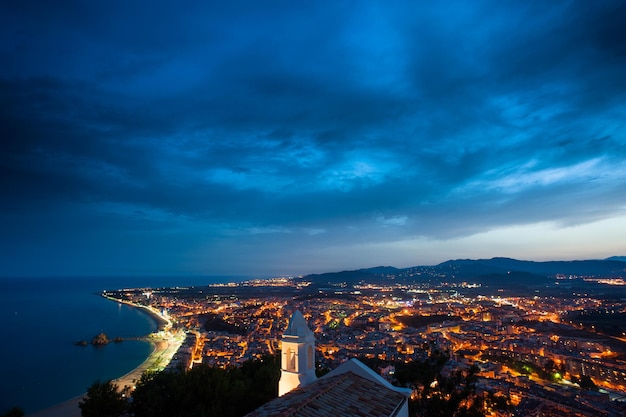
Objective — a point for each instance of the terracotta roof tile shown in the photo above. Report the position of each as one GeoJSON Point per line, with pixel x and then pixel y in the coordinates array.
{"type": "Point", "coordinates": [345, 394]}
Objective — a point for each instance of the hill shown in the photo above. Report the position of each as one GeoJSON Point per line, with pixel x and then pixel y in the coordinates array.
{"type": "Point", "coordinates": [467, 268]}
{"type": "Point", "coordinates": [490, 272]}
{"type": "Point", "coordinates": [376, 274]}
{"type": "Point", "coordinates": [616, 258]}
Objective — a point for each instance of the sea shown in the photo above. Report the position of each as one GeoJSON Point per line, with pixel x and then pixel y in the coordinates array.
{"type": "Point", "coordinates": [41, 319]}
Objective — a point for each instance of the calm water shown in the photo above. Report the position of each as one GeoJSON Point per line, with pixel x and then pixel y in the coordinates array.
{"type": "Point", "coordinates": [40, 319]}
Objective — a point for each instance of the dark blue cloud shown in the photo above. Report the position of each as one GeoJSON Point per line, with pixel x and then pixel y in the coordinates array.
{"type": "Point", "coordinates": [147, 138]}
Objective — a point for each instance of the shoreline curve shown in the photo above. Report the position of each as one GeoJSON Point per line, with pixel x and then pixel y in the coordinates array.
{"type": "Point", "coordinates": [163, 350]}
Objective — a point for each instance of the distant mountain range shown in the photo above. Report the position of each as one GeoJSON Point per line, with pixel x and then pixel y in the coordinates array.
{"type": "Point", "coordinates": [491, 272]}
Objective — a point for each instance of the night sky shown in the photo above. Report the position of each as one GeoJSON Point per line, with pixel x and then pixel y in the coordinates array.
{"type": "Point", "coordinates": [294, 137]}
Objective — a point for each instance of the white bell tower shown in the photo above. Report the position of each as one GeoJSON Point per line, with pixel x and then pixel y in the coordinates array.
{"type": "Point", "coordinates": [298, 355]}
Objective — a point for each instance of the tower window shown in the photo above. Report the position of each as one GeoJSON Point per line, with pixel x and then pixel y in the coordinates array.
{"type": "Point", "coordinates": [309, 357]}
{"type": "Point", "coordinates": [291, 360]}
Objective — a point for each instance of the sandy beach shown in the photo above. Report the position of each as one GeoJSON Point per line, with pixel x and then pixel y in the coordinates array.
{"type": "Point", "coordinates": [165, 346]}
{"type": "Point", "coordinates": [164, 350]}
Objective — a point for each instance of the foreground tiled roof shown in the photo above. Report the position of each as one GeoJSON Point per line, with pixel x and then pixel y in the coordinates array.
{"type": "Point", "coordinates": [345, 394]}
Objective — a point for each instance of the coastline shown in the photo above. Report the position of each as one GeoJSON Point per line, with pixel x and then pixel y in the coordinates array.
{"type": "Point", "coordinates": [161, 322]}
{"type": "Point", "coordinates": [164, 348]}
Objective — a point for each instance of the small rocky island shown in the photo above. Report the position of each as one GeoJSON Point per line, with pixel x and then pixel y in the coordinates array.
{"type": "Point", "coordinates": [100, 339]}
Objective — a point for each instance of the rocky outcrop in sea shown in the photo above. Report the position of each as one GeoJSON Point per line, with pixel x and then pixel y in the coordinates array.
{"type": "Point", "coordinates": [100, 339]}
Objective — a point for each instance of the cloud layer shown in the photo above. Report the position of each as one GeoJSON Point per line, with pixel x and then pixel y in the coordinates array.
{"type": "Point", "coordinates": [283, 138]}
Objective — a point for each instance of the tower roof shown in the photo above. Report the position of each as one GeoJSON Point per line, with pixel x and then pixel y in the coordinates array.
{"type": "Point", "coordinates": [297, 326]}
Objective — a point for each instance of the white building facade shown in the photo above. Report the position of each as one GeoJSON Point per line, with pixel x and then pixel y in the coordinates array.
{"type": "Point", "coordinates": [298, 355]}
